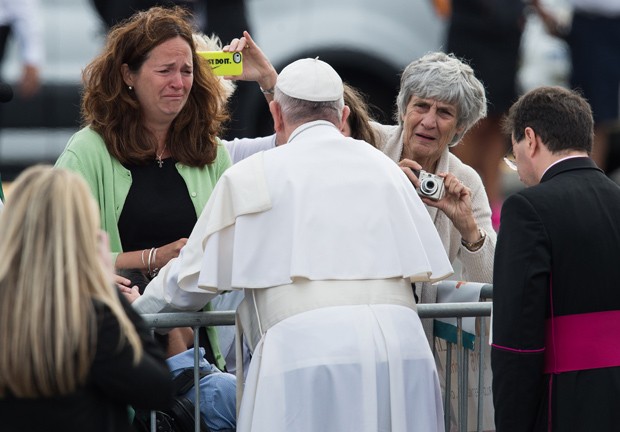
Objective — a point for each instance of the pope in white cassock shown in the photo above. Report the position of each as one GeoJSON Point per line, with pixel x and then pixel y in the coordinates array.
{"type": "Point", "coordinates": [325, 234]}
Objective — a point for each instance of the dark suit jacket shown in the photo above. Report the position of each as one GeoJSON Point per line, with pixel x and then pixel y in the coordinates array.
{"type": "Point", "coordinates": [564, 235]}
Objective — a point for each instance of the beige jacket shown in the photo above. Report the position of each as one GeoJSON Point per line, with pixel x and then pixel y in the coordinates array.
{"type": "Point", "coordinates": [476, 266]}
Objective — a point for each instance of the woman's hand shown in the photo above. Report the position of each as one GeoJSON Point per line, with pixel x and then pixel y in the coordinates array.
{"type": "Point", "coordinates": [411, 169]}
{"type": "Point", "coordinates": [456, 204]}
{"type": "Point", "coordinates": [151, 259]}
{"type": "Point", "coordinates": [130, 293]}
{"type": "Point", "coordinates": [256, 65]}
{"type": "Point", "coordinates": [121, 281]}
{"type": "Point", "coordinates": [167, 252]}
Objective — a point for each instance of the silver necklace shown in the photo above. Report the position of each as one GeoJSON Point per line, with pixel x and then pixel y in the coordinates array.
{"type": "Point", "coordinates": [158, 158]}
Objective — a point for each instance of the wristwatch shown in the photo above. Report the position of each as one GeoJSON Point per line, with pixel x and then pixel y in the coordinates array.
{"type": "Point", "coordinates": [474, 246]}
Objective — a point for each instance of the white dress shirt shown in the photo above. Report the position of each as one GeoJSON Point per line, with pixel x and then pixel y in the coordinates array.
{"type": "Point", "coordinates": [24, 17]}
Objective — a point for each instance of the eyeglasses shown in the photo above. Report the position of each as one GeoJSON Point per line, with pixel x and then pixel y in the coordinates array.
{"type": "Point", "coordinates": [510, 160]}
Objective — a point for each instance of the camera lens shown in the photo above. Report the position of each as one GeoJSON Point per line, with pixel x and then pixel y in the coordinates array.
{"type": "Point", "coordinates": [428, 186]}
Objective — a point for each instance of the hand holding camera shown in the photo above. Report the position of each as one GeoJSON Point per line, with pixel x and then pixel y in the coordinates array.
{"type": "Point", "coordinates": [431, 185]}
{"type": "Point", "coordinates": [446, 193]}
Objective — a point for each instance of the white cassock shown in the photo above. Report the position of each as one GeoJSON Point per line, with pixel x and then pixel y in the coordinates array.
{"type": "Point", "coordinates": [325, 234]}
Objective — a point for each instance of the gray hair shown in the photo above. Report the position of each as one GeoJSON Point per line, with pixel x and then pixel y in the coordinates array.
{"type": "Point", "coordinates": [445, 78]}
{"type": "Point", "coordinates": [297, 111]}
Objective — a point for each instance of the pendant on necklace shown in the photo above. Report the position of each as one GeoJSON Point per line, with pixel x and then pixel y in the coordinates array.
{"type": "Point", "coordinates": [158, 157]}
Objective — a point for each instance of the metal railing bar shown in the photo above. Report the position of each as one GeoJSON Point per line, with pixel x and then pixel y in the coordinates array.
{"type": "Point", "coordinates": [189, 319]}
{"type": "Point", "coordinates": [486, 292]}
{"type": "Point", "coordinates": [197, 357]}
{"type": "Point", "coordinates": [218, 318]}
{"type": "Point", "coordinates": [454, 310]}
{"type": "Point", "coordinates": [459, 372]}
{"type": "Point", "coordinates": [482, 341]}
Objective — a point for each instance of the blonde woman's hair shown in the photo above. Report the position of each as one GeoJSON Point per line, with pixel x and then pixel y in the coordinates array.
{"type": "Point", "coordinates": [50, 274]}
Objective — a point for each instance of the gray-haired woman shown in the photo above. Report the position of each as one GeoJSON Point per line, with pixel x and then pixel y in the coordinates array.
{"type": "Point", "coordinates": [439, 100]}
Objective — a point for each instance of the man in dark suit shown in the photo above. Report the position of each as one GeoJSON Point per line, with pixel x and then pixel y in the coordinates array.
{"type": "Point", "coordinates": [556, 305]}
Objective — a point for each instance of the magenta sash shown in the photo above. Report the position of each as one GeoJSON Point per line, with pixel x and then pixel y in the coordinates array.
{"type": "Point", "coordinates": [582, 341]}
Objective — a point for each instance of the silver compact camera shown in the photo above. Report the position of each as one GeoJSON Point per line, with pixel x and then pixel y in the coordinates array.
{"type": "Point", "coordinates": [431, 185]}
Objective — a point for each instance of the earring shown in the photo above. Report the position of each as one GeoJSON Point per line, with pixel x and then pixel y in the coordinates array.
{"type": "Point", "coordinates": [130, 88]}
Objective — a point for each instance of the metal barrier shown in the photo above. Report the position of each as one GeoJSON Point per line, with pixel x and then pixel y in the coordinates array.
{"type": "Point", "coordinates": [195, 320]}
{"type": "Point", "coordinates": [435, 310]}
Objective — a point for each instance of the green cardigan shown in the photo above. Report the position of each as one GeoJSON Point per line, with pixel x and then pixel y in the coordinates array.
{"type": "Point", "coordinates": [1, 193]}
{"type": "Point", "coordinates": [109, 183]}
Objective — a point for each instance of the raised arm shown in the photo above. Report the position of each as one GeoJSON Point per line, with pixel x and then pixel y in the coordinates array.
{"type": "Point", "coordinates": [256, 65]}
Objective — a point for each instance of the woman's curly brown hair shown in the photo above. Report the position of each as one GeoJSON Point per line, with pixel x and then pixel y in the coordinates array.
{"type": "Point", "coordinates": [113, 111]}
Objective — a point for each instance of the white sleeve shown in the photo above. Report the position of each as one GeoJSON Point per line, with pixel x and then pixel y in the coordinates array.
{"type": "Point", "coordinates": [25, 16]}
{"type": "Point", "coordinates": [241, 148]}
{"type": "Point", "coordinates": [163, 294]}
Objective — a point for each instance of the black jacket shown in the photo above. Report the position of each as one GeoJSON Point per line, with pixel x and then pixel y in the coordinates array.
{"type": "Point", "coordinates": [561, 235]}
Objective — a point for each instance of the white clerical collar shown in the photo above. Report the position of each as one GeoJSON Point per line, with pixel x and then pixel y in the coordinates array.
{"type": "Point", "coordinates": [563, 159]}
{"type": "Point", "coordinates": [307, 126]}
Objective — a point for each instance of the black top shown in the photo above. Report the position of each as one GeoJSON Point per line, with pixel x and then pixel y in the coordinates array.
{"type": "Point", "coordinates": [113, 385]}
{"type": "Point", "coordinates": [158, 209]}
